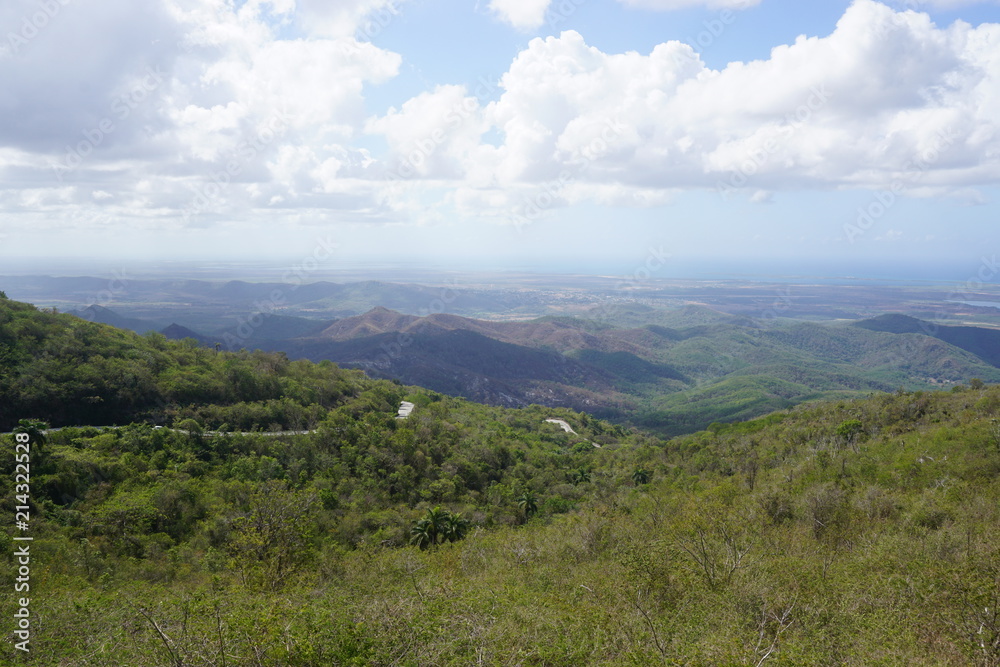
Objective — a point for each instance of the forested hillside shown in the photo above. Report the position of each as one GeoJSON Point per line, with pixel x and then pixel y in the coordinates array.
{"type": "Point", "coordinates": [982, 342]}
{"type": "Point", "coordinates": [671, 371]}
{"type": "Point", "coordinates": [857, 532]}
{"type": "Point", "coordinates": [68, 371]}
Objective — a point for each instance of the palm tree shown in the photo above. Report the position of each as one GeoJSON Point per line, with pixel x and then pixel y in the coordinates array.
{"type": "Point", "coordinates": [528, 503]}
{"type": "Point", "coordinates": [437, 526]}
{"type": "Point", "coordinates": [455, 527]}
{"type": "Point", "coordinates": [34, 428]}
{"type": "Point", "coordinates": [420, 534]}
{"type": "Point", "coordinates": [436, 519]}
{"type": "Point", "coordinates": [579, 475]}
{"type": "Point", "coordinates": [640, 476]}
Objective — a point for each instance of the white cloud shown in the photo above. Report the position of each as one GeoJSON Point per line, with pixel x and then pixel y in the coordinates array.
{"type": "Point", "coordinates": [941, 4]}
{"type": "Point", "coordinates": [202, 102]}
{"type": "Point", "coordinates": [204, 112]}
{"type": "Point", "coordinates": [670, 5]}
{"type": "Point", "coordinates": [887, 98]}
{"type": "Point", "coordinates": [60, 75]}
{"type": "Point", "coordinates": [434, 135]}
{"type": "Point", "coordinates": [346, 18]}
{"type": "Point", "coordinates": [522, 14]}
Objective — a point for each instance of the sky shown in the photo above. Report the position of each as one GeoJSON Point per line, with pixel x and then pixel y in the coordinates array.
{"type": "Point", "coordinates": [543, 134]}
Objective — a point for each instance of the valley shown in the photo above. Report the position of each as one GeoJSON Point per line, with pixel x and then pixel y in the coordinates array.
{"type": "Point", "coordinates": [520, 333]}
{"type": "Point", "coordinates": [672, 356]}
{"type": "Point", "coordinates": [289, 489]}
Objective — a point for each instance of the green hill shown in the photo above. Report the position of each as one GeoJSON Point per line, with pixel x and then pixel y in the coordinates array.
{"type": "Point", "coordinates": [653, 368]}
{"type": "Point", "coordinates": [983, 343]}
{"type": "Point", "coordinates": [68, 371]}
{"type": "Point", "coordinates": [635, 364]}
{"type": "Point", "coordinates": [855, 532]}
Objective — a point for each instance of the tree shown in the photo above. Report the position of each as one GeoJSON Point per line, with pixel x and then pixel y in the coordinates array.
{"type": "Point", "coordinates": [718, 543]}
{"type": "Point", "coordinates": [437, 518]}
{"type": "Point", "coordinates": [850, 430]}
{"type": "Point", "coordinates": [579, 475]}
{"type": "Point", "coordinates": [34, 428]}
{"type": "Point", "coordinates": [640, 476]}
{"type": "Point", "coordinates": [437, 526]}
{"type": "Point", "coordinates": [528, 503]}
{"type": "Point", "coordinates": [127, 520]}
{"type": "Point", "coordinates": [190, 426]}
{"type": "Point", "coordinates": [420, 534]}
{"type": "Point", "coordinates": [455, 527]}
{"type": "Point", "coordinates": [750, 464]}
{"type": "Point", "coordinates": [273, 538]}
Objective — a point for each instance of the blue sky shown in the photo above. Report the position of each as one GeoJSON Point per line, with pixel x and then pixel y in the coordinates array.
{"type": "Point", "coordinates": [502, 133]}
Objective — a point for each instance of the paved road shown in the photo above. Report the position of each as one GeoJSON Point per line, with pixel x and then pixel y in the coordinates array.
{"type": "Point", "coordinates": [405, 408]}
{"type": "Point", "coordinates": [565, 426]}
{"type": "Point", "coordinates": [180, 430]}
{"type": "Point", "coordinates": [569, 429]}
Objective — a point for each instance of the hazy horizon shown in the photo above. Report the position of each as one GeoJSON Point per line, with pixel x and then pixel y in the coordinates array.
{"type": "Point", "coordinates": [779, 271]}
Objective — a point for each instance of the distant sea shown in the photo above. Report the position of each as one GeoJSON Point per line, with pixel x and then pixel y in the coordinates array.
{"type": "Point", "coordinates": [981, 304]}
{"type": "Point", "coordinates": [817, 271]}
{"type": "Point", "coordinates": [645, 265]}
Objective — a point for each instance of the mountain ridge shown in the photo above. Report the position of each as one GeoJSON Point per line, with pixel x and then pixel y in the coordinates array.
{"type": "Point", "coordinates": [980, 341]}
{"type": "Point", "coordinates": [705, 366]}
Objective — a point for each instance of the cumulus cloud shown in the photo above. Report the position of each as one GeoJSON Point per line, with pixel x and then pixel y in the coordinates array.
{"type": "Point", "coordinates": [670, 5]}
{"type": "Point", "coordinates": [194, 108]}
{"type": "Point", "coordinates": [522, 14]}
{"type": "Point", "coordinates": [941, 4]}
{"type": "Point", "coordinates": [206, 111]}
{"type": "Point", "coordinates": [433, 135]}
{"type": "Point", "coordinates": [887, 99]}
{"type": "Point", "coordinates": [60, 75]}
{"type": "Point", "coordinates": [344, 18]}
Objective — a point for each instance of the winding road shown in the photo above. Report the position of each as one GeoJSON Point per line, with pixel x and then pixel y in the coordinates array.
{"type": "Point", "coordinates": [569, 429]}
{"type": "Point", "coordinates": [405, 408]}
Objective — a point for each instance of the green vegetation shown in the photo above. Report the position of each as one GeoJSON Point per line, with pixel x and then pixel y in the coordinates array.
{"type": "Point", "coordinates": [859, 532]}
{"type": "Point", "coordinates": [73, 372]}
{"type": "Point", "coordinates": [980, 341]}
{"type": "Point", "coordinates": [673, 372]}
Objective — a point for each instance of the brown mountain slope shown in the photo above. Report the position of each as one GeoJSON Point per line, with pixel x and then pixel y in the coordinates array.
{"type": "Point", "coordinates": [376, 321]}
{"type": "Point", "coordinates": [559, 335]}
